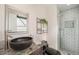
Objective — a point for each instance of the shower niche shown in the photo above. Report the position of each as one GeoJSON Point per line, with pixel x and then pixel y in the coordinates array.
{"type": "Point", "coordinates": [69, 24]}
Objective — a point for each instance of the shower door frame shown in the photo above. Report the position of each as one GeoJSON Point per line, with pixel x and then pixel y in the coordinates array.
{"type": "Point", "coordinates": [59, 29]}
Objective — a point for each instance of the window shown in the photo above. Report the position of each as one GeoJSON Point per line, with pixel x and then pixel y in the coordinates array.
{"type": "Point", "coordinates": [21, 23]}
{"type": "Point", "coordinates": [17, 22]}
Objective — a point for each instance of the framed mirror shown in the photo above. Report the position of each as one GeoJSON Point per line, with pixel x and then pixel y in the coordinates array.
{"type": "Point", "coordinates": [42, 26]}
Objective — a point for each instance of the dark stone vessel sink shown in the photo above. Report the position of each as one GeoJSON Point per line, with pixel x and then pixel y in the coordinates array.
{"type": "Point", "coordinates": [20, 43]}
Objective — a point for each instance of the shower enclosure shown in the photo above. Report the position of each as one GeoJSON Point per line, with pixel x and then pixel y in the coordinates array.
{"type": "Point", "coordinates": [68, 17]}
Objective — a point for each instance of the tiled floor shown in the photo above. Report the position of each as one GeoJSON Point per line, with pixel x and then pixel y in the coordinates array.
{"type": "Point", "coordinates": [64, 53]}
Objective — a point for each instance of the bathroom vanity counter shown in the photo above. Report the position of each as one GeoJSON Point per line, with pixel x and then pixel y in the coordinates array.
{"type": "Point", "coordinates": [32, 50]}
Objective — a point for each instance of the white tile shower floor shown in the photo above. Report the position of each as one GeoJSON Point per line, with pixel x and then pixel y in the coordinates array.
{"type": "Point", "coordinates": [64, 52]}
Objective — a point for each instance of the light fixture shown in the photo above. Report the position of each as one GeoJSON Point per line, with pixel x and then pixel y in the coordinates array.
{"type": "Point", "coordinates": [68, 4]}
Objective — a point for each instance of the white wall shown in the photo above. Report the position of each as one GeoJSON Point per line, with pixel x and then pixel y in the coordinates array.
{"type": "Point", "coordinates": [52, 26]}
{"type": "Point", "coordinates": [2, 28]}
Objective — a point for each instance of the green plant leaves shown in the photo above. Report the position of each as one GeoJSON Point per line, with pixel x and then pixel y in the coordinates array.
{"type": "Point", "coordinates": [43, 21]}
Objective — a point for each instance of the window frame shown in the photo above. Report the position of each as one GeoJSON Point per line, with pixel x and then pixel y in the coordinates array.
{"type": "Point", "coordinates": [10, 10]}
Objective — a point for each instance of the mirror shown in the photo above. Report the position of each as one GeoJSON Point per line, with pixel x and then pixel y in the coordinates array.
{"type": "Point", "coordinates": [42, 26]}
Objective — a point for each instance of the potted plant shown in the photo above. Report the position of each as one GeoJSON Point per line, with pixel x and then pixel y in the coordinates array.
{"type": "Point", "coordinates": [43, 21]}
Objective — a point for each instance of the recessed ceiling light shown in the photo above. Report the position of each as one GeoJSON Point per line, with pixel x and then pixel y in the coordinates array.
{"type": "Point", "coordinates": [68, 4]}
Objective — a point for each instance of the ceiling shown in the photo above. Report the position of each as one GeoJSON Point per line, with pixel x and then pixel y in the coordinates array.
{"type": "Point", "coordinates": [63, 7]}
